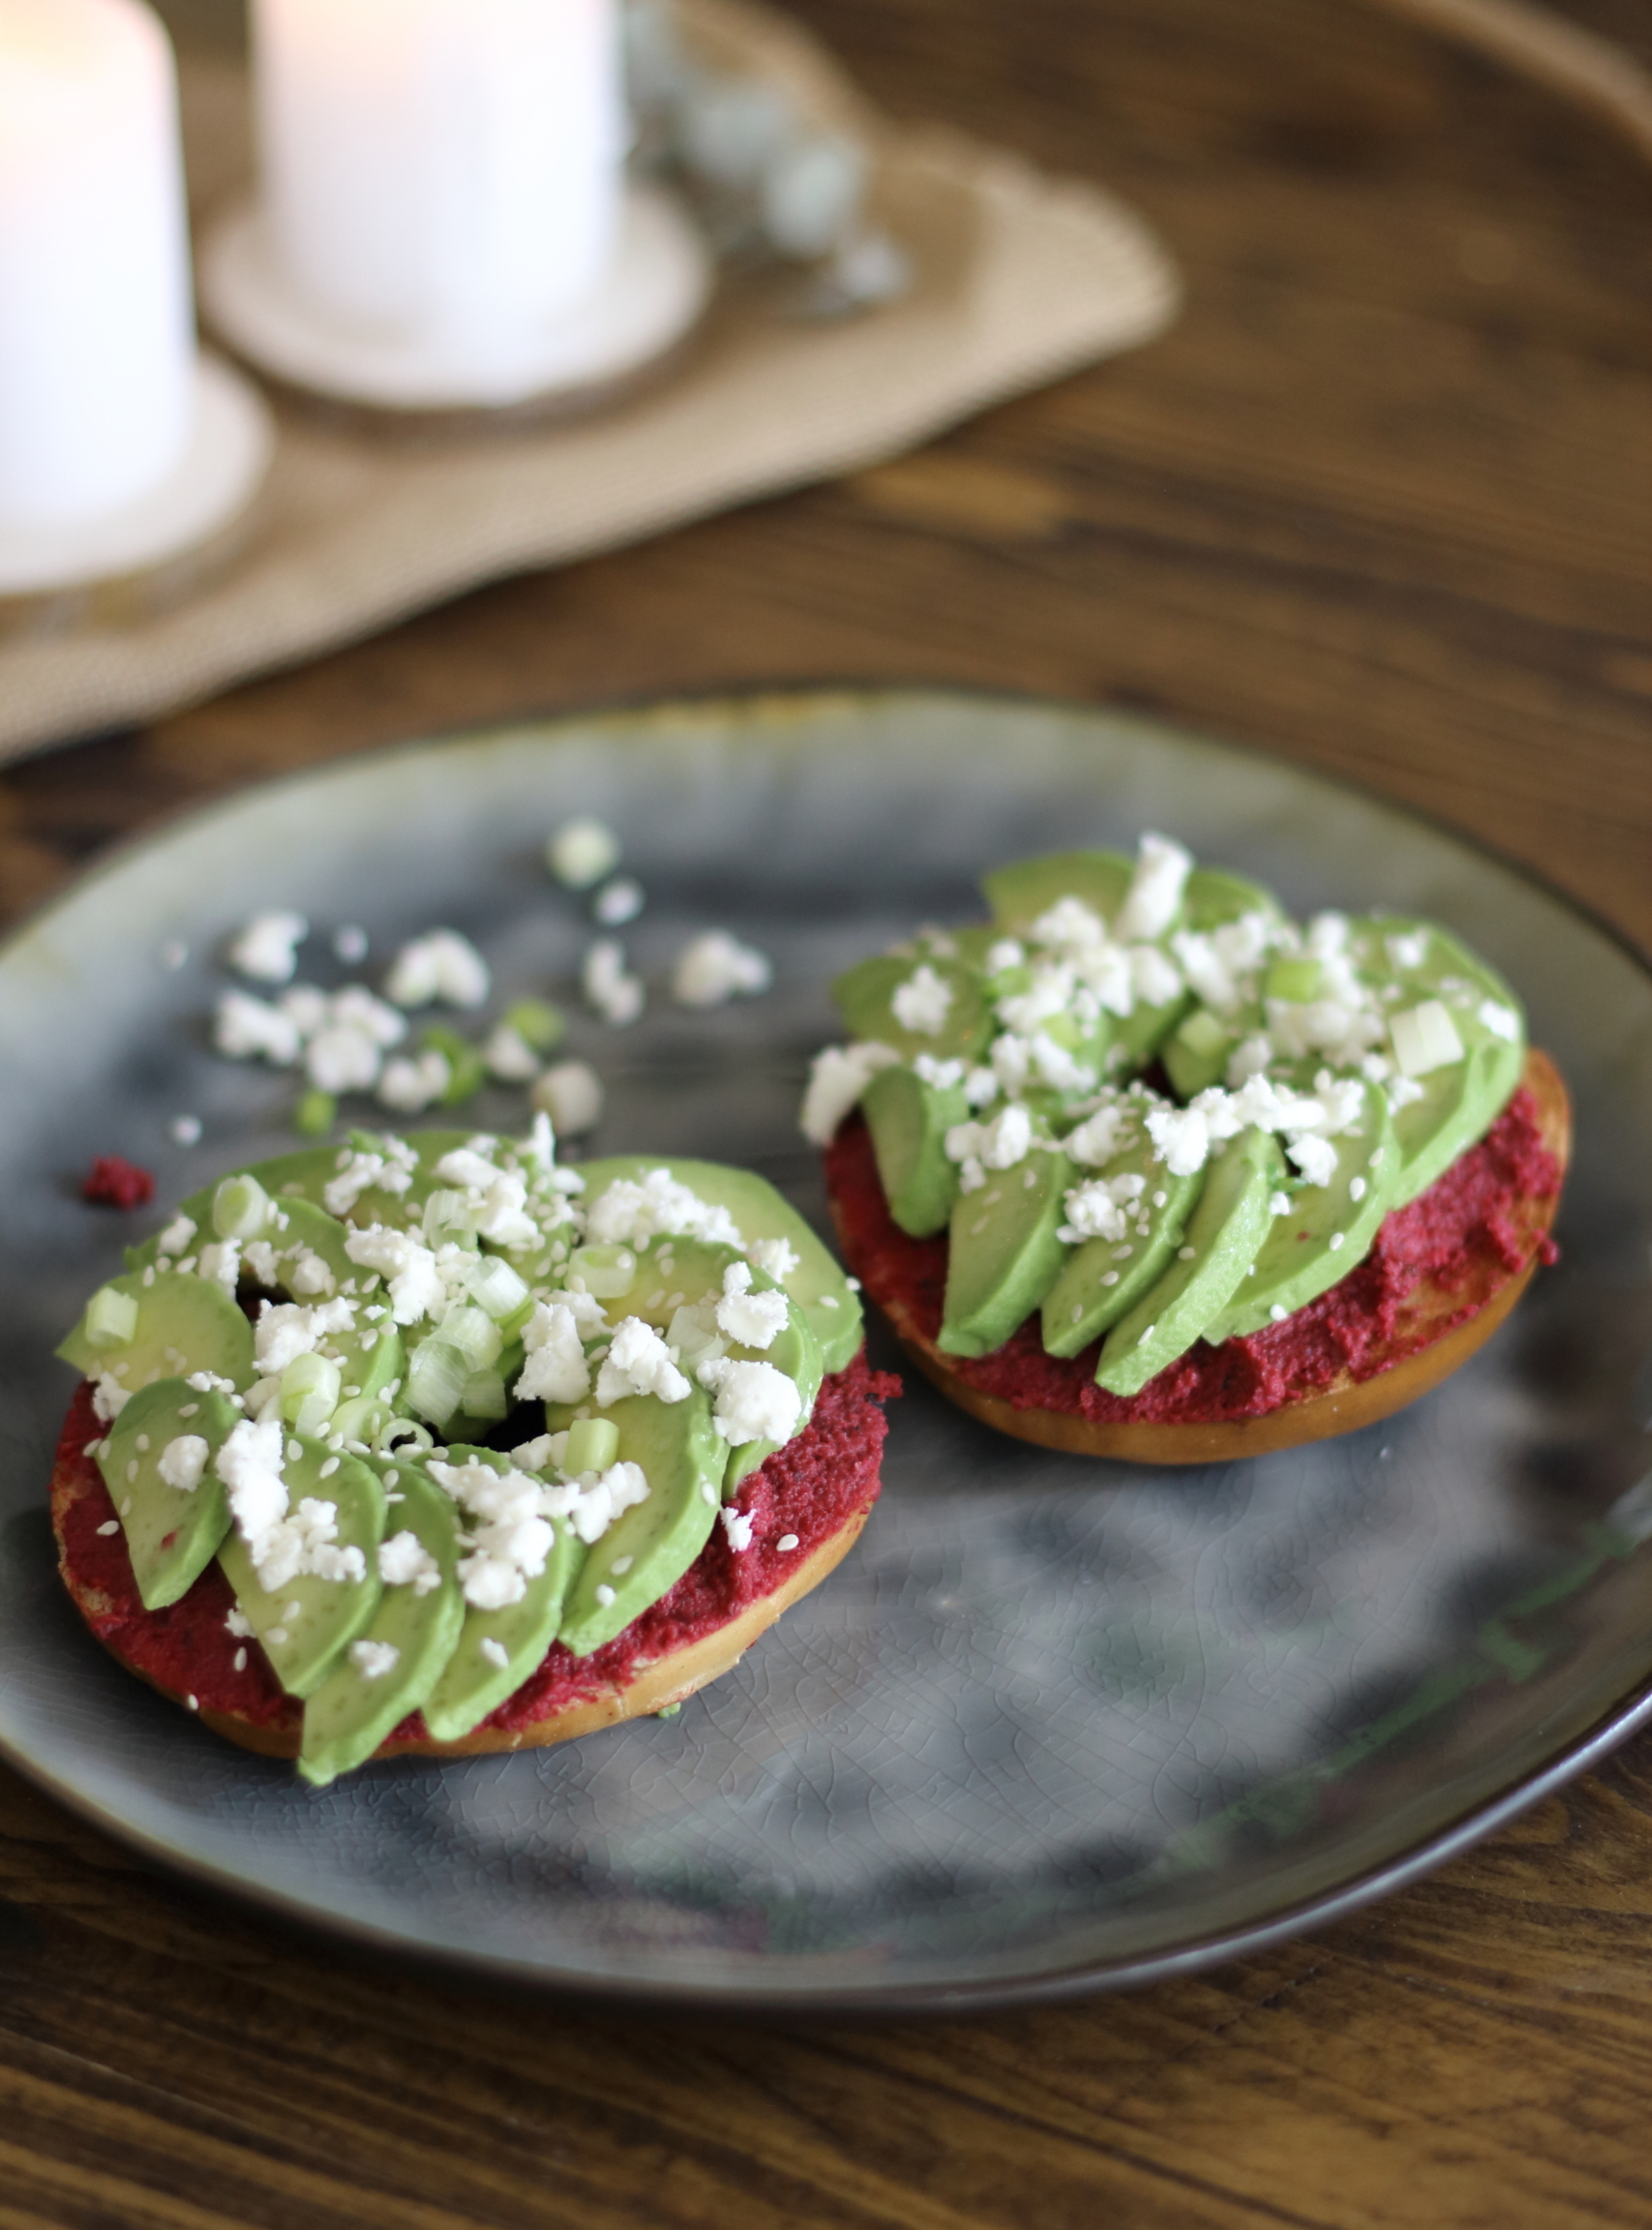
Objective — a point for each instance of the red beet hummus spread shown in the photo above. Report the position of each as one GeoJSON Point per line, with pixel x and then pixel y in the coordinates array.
{"type": "Point", "coordinates": [810, 1488]}
{"type": "Point", "coordinates": [1462, 1237]}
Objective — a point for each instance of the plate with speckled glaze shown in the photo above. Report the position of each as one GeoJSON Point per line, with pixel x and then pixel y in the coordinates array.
{"type": "Point", "coordinates": [1056, 1725]}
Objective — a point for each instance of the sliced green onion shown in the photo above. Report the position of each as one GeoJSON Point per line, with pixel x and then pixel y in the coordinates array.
{"type": "Point", "coordinates": [316, 1113]}
{"type": "Point", "coordinates": [363, 1417]}
{"type": "Point", "coordinates": [472, 1334]}
{"type": "Point", "coordinates": [495, 1287]}
{"type": "Point", "coordinates": [693, 1333]}
{"type": "Point", "coordinates": [608, 1271]}
{"type": "Point", "coordinates": [436, 1379]}
{"type": "Point", "coordinates": [594, 1443]}
{"type": "Point", "coordinates": [400, 1435]}
{"type": "Point", "coordinates": [240, 1208]}
{"type": "Point", "coordinates": [467, 1070]}
{"type": "Point", "coordinates": [310, 1392]}
{"type": "Point", "coordinates": [538, 1023]}
{"type": "Point", "coordinates": [484, 1395]}
{"type": "Point", "coordinates": [1202, 1033]}
{"type": "Point", "coordinates": [1294, 980]}
{"type": "Point", "coordinates": [447, 1221]}
{"type": "Point", "coordinates": [111, 1317]}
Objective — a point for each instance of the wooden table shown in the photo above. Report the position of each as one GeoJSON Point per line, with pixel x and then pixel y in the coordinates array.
{"type": "Point", "coordinates": [1380, 503]}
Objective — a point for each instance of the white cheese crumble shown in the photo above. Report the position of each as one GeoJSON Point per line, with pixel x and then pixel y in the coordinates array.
{"type": "Point", "coordinates": [738, 1526]}
{"type": "Point", "coordinates": [616, 994]}
{"type": "Point", "coordinates": [750, 1319]}
{"type": "Point", "coordinates": [776, 1259]}
{"type": "Point", "coordinates": [1502, 1021]}
{"type": "Point", "coordinates": [1101, 1208]}
{"type": "Point", "coordinates": [403, 1561]}
{"type": "Point", "coordinates": [639, 1362]}
{"type": "Point", "coordinates": [390, 1169]}
{"type": "Point", "coordinates": [509, 1057]}
{"type": "Point", "coordinates": [184, 1129]}
{"type": "Point", "coordinates": [414, 1082]}
{"type": "Point", "coordinates": [245, 1028]}
{"type": "Point", "coordinates": [618, 902]}
{"type": "Point", "coordinates": [1108, 1132]}
{"type": "Point", "coordinates": [630, 1213]}
{"type": "Point", "coordinates": [372, 1660]}
{"type": "Point", "coordinates": [754, 1401]}
{"type": "Point", "coordinates": [570, 1094]}
{"type": "Point", "coordinates": [417, 1287]}
{"type": "Point", "coordinates": [440, 966]}
{"type": "Point", "coordinates": [181, 1462]}
{"type": "Point", "coordinates": [1155, 896]}
{"type": "Point", "coordinates": [717, 967]}
{"type": "Point", "coordinates": [266, 948]}
{"type": "Point", "coordinates": [837, 1077]}
{"type": "Point", "coordinates": [555, 1366]}
{"type": "Point", "coordinates": [922, 1002]}
{"type": "Point", "coordinates": [109, 1398]}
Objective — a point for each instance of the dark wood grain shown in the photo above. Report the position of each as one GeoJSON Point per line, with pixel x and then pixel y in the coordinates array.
{"type": "Point", "coordinates": [1382, 502]}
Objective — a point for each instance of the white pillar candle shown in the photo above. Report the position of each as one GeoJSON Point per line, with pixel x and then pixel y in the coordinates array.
{"type": "Point", "coordinates": [436, 167]}
{"type": "Point", "coordinates": [97, 341]}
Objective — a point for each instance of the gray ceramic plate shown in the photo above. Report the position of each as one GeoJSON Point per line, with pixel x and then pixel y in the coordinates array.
{"type": "Point", "coordinates": [1056, 1725]}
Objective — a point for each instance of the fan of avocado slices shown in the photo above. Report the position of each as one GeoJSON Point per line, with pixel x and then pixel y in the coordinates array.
{"type": "Point", "coordinates": [1144, 1103]}
{"type": "Point", "coordinates": [308, 1373]}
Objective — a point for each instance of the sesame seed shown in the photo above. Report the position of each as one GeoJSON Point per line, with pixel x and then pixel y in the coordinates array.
{"type": "Point", "coordinates": [108, 1526]}
{"type": "Point", "coordinates": [240, 1660]}
{"type": "Point", "coordinates": [786, 1543]}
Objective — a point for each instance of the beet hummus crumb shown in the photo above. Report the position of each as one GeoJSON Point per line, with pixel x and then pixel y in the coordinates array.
{"type": "Point", "coordinates": [114, 1183]}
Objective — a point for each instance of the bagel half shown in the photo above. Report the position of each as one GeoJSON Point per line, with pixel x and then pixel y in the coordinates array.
{"type": "Point", "coordinates": [1443, 1274]}
{"type": "Point", "coordinates": [820, 1487]}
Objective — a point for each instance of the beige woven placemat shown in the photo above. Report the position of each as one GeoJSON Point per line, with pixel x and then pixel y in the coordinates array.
{"type": "Point", "coordinates": [1019, 280]}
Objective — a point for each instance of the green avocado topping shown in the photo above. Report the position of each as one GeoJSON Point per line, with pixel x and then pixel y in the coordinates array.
{"type": "Point", "coordinates": [1146, 1104]}
{"type": "Point", "coordinates": [301, 1372]}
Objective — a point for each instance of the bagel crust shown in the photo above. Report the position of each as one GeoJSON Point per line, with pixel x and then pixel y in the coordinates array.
{"type": "Point", "coordinates": [1415, 1329]}
{"type": "Point", "coordinates": [819, 1487]}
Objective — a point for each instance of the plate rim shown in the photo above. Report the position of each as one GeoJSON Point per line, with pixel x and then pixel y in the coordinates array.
{"type": "Point", "coordinates": [1625, 1717]}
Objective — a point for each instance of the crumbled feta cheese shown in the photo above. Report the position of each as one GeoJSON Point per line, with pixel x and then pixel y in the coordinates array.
{"type": "Point", "coordinates": [109, 1398]}
{"type": "Point", "coordinates": [1425, 1039]}
{"type": "Point", "coordinates": [923, 1002]}
{"type": "Point", "coordinates": [412, 1083]}
{"type": "Point", "coordinates": [1101, 1208]}
{"type": "Point", "coordinates": [738, 1526]}
{"type": "Point", "coordinates": [1001, 1144]}
{"type": "Point", "coordinates": [837, 1077]}
{"type": "Point", "coordinates": [417, 1287]}
{"type": "Point", "coordinates": [372, 1660]}
{"type": "Point", "coordinates": [944, 1075]}
{"type": "Point", "coordinates": [631, 1214]}
{"type": "Point", "coordinates": [1407, 951]}
{"type": "Point", "coordinates": [175, 1239]}
{"type": "Point", "coordinates": [616, 995]}
{"type": "Point", "coordinates": [555, 1366]}
{"type": "Point", "coordinates": [1070, 926]}
{"type": "Point", "coordinates": [777, 1258]}
{"type": "Point", "coordinates": [1108, 1132]}
{"type": "Point", "coordinates": [184, 1129]}
{"type": "Point", "coordinates": [570, 1094]}
{"type": "Point", "coordinates": [403, 1561]}
{"type": "Point", "coordinates": [264, 950]}
{"type": "Point", "coordinates": [181, 1462]}
{"type": "Point", "coordinates": [389, 1170]}
{"type": "Point", "coordinates": [582, 852]}
{"type": "Point", "coordinates": [245, 1028]}
{"type": "Point", "coordinates": [754, 1401]}
{"type": "Point", "coordinates": [717, 967]}
{"type": "Point", "coordinates": [639, 1362]}
{"type": "Point", "coordinates": [750, 1319]}
{"type": "Point", "coordinates": [343, 1058]}
{"type": "Point", "coordinates": [442, 965]}
{"type": "Point", "coordinates": [351, 943]}
{"type": "Point", "coordinates": [509, 1056]}
{"type": "Point", "coordinates": [249, 1464]}
{"type": "Point", "coordinates": [1314, 1157]}
{"type": "Point", "coordinates": [1155, 896]}
{"type": "Point", "coordinates": [286, 1330]}
{"type": "Point", "coordinates": [220, 1262]}
{"type": "Point", "coordinates": [618, 902]}
{"type": "Point", "coordinates": [1007, 954]}
{"type": "Point", "coordinates": [1502, 1021]}
{"type": "Point", "coordinates": [1181, 1137]}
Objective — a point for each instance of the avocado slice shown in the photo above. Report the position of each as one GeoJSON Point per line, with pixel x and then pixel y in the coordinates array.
{"type": "Point", "coordinates": [1003, 1254]}
{"type": "Point", "coordinates": [818, 1286]}
{"type": "Point", "coordinates": [1027, 888]}
{"type": "Point", "coordinates": [495, 1650]}
{"type": "Point", "coordinates": [909, 1121]}
{"type": "Point", "coordinates": [1103, 1278]}
{"type": "Point", "coordinates": [1324, 1231]}
{"type": "Point", "coordinates": [865, 996]}
{"type": "Point", "coordinates": [350, 1713]}
{"type": "Point", "coordinates": [306, 1625]}
{"type": "Point", "coordinates": [1223, 1234]}
{"type": "Point", "coordinates": [172, 1533]}
{"type": "Point", "coordinates": [185, 1323]}
{"type": "Point", "coordinates": [650, 1547]}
